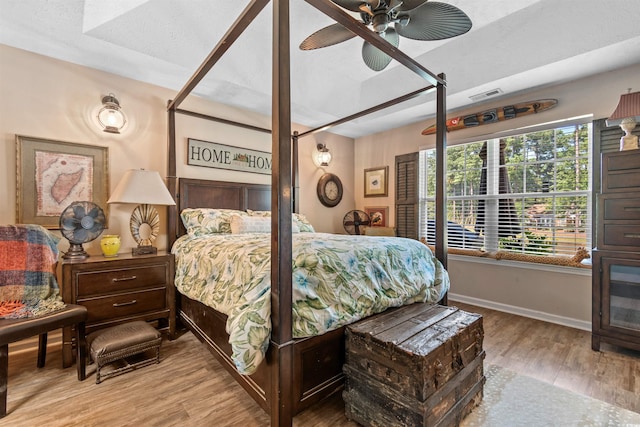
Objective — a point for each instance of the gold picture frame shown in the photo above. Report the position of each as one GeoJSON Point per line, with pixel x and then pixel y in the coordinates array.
{"type": "Point", "coordinates": [53, 174]}
{"type": "Point", "coordinates": [376, 182]}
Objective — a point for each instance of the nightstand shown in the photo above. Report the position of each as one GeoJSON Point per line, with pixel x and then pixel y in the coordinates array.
{"type": "Point", "coordinates": [120, 289]}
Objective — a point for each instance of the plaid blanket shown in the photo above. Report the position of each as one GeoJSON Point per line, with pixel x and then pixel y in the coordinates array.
{"type": "Point", "coordinates": [28, 257]}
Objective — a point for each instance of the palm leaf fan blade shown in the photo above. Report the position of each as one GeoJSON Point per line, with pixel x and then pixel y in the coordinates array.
{"type": "Point", "coordinates": [327, 36]}
{"type": "Point", "coordinates": [374, 57]}
{"type": "Point", "coordinates": [435, 21]}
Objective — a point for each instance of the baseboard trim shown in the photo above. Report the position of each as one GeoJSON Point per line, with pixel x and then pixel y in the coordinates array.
{"type": "Point", "coordinates": [525, 312]}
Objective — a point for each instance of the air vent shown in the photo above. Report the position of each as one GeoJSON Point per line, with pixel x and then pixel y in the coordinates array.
{"type": "Point", "coordinates": [485, 95]}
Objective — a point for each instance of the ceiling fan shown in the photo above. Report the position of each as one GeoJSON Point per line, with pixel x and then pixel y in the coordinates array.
{"type": "Point", "coordinates": [414, 19]}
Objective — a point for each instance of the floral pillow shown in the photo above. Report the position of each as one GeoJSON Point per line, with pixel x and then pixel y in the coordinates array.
{"type": "Point", "coordinates": [201, 221]}
{"type": "Point", "coordinates": [300, 220]}
{"type": "Point", "coordinates": [303, 223]}
{"type": "Point", "coordinates": [254, 224]}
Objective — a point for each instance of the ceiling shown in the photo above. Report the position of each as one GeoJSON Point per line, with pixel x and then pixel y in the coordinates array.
{"type": "Point", "coordinates": [513, 46]}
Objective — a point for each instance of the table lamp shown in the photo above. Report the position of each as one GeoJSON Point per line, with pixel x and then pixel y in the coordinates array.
{"type": "Point", "coordinates": [145, 188]}
{"type": "Point", "coordinates": [627, 115]}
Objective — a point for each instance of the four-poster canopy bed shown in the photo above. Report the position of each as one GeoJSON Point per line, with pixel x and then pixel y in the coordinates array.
{"type": "Point", "coordinates": [297, 372]}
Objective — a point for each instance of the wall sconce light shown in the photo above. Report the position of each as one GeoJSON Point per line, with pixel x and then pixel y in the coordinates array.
{"type": "Point", "coordinates": [322, 156]}
{"type": "Point", "coordinates": [626, 115]}
{"type": "Point", "coordinates": [147, 188]}
{"type": "Point", "coordinates": [110, 116]}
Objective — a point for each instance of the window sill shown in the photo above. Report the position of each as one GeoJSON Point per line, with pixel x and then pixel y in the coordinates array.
{"type": "Point", "coordinates": [584, 270]}
{"type": "Point", "coordinates": [532, 262]}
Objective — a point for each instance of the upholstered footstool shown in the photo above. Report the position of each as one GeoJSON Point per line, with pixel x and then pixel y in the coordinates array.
{"type": "Point", "coordinates": [122, 341]}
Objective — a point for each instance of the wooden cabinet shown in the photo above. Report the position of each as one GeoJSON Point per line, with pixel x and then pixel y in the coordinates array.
{"type": "Point", "coordinates": [616, 259]}
{"type": "Point", "coordinates": [118, 290]}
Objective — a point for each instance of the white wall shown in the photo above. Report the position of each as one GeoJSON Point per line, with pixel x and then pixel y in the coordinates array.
{"type": "Point", "coordinates": [52, 99]}
{"type": "Point", "coordinates": [560, 295]}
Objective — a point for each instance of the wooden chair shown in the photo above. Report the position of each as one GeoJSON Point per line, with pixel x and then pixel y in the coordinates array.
{"type": "Point", "coordinates": [27, 252]}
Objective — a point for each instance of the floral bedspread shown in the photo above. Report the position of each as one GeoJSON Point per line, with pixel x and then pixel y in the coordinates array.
{"type": "Point", "coordinates": [337, 280]}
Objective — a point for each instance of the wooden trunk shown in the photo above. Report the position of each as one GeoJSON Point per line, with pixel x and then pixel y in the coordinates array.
{"type": "Point", "coordinates": [418, 365]}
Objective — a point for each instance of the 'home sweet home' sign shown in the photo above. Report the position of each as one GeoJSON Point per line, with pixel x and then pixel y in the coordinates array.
{"type": "Point", "coordinates": [220, 156]}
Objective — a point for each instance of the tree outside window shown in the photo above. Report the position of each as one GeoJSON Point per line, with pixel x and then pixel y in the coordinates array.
{"type": "Point", "coordinates": [544, 206]}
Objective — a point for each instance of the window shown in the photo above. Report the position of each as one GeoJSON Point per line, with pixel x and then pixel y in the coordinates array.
{"type": "Point", "coordinates": [527, 193]}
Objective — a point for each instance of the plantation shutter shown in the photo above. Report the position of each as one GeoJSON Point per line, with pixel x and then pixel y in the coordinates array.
{"type": "Point", "coordinates": [407, 197]}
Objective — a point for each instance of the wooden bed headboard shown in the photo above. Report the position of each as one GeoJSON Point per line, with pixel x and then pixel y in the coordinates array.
{"type": "Point", "coordinates": [202, 193]}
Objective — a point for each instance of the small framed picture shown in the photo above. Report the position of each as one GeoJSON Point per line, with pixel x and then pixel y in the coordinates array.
{"type": "Point", "coordinates": [375, 181]}
{"type": "Point", "coordinates": [52, 174]}
{"type": "Point", "coordinates": [378, 215]}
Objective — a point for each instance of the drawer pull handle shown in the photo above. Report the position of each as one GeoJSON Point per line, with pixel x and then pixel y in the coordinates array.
{"type": "Point", "coordinates": [122, 304]}
{"type": "Point", "coordinates": [632, 208]}
{"type": "Point", "coordinates": [123, 279]}
{"type": "Point", "coordinates": [631, 236]}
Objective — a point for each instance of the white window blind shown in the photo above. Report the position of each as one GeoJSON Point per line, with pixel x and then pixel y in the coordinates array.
{"type": "Point", "coordinates": [528, 193]}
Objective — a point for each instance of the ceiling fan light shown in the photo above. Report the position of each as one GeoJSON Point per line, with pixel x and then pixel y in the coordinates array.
{"type": "Point", "coordinates": [380, 22]}
{"type": "Point", "coordinates": [403, 20]}
{"type": "Point", "coordinates": [110, 117]}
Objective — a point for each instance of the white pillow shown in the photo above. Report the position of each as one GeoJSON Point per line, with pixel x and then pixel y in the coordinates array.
{"type": "Point", "coordinates": [254, 224]}
{"type": "Point", "coordinates": [298, 220]}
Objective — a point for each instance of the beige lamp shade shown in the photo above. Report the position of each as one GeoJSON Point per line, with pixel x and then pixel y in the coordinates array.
{"type": "Point", "coordinates": [139, 186]}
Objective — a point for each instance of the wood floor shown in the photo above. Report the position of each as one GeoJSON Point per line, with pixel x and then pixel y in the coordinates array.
{"type": "Point", "coordinates": [190, 388]}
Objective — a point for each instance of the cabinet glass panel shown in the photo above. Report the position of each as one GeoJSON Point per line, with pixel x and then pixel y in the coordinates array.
{"type": "Point", "coordinates": [625, 296]}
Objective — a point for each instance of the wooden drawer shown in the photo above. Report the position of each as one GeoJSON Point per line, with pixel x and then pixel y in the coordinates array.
{"type": "Point", "coordinates": [623, 207]}
{"type": "Point", "coordinates": [621, 236]}
{"type": "Point", "coordinates": [100, 282]}
{"type": "Point", "coordinates": [621, 171]}
{"type": "Point", "coordinates": [125, 304]}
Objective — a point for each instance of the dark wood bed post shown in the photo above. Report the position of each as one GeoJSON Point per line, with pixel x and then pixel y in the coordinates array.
{"type": "Point", "coordinates": [172, 180]}
{"type": "Point", "coordinates": [441, 168]}
{"type": "Point", "coordinates": [295, 174]}
{"type": "Point", "coordinates": [281, 361]}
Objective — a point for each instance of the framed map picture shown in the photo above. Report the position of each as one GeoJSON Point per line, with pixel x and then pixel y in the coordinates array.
{"type": "Point", "coordinates": [53, 174]}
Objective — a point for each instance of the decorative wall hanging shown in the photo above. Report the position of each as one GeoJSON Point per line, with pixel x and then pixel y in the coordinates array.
{"type": "Point", "coordinates": [220, 156]}
{"type": "Point", "coordinates": [495, 115]}
{"type": "Point", "coordinates": [53, 174]}
{"type": "Point", "coordinates": [375, 181]}
{"type": "Point", "coordinates": [378, 215]}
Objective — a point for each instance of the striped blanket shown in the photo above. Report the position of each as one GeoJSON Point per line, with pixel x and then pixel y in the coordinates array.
{"type": "Point", "coordinates": [28, 257]}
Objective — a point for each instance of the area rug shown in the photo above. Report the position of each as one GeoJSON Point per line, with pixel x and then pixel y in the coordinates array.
{"type": "Point", "coordinates": [512, 400]}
